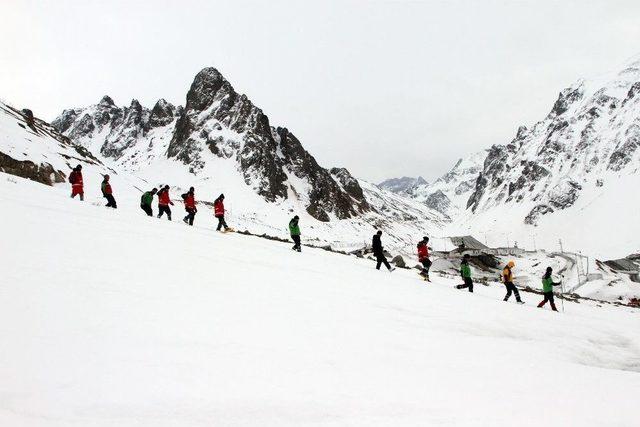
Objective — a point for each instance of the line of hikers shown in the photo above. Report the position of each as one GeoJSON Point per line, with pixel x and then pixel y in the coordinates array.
{"type": "Point", "coordinates": [465, 271]}
{"type": "Point", "coordinates": [164, 201]}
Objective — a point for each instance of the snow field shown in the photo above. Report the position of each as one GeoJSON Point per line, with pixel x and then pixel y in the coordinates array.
{"type": "Point", "coordinates": [113, 318]}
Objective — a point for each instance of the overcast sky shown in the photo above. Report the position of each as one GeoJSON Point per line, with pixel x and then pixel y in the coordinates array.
{"type": "Point", "coordinates": [383, 88]}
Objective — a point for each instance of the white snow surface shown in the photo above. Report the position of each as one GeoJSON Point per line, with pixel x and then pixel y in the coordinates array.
{"type": "Point", "coordinates": [108, 317]}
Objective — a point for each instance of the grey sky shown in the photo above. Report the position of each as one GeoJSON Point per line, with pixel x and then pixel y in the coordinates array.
{"type": "Point", "coordinates": [383, 88]}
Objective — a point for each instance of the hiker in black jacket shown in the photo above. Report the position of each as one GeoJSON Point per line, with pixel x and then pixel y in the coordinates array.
{"type": "Point", "coordinates": [378, 251]}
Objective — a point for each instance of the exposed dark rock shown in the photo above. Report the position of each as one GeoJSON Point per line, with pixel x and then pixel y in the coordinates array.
{"type": "Point", "coordinates": [536, 212]}
{"type": "Point", "coordinates": [438, 201]}
{"type": "Point", "coordinates": [43, 173]}
{"type": "Point", "coordinates": [398, 261]}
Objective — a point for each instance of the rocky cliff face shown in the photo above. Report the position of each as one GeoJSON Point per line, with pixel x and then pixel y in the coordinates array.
{"type": "Point", "coordinates": [216, 122]}
{"type": "Point", "coordinates": [112, 130]}
{"type": "Point", "coordinates": [591, 134]}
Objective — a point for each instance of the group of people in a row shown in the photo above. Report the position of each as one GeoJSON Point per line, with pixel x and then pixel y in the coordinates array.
{"type": "Point", "coordinates": [164, 203]}
{"type": "Point", "coordinates": [465, 271]}
{"type": "Point", "coordinates": [146, 201]}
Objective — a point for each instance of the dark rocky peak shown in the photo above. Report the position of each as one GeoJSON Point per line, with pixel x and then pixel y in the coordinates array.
{"type": "Point", "coordinates": [64, 121]}
{"type": "Point", "coordinates": [106, 101]}
{"type": "Point", "coordinates": [522, 132]}
{"type": "Point", "coordinates": [162, 113]}
{"type": "Point", "coordinates": [349, 183]}
{"type": "Point", "coordinates": [135, 105]}
{"type": "Point", "coordinates": [567, 97]}
{"type": "Point", "coordinates": [205, 88]}
{"type": "Point", "coordinates": [634, 90]}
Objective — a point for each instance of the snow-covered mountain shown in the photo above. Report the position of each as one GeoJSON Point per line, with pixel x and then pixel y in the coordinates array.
{"type": "Point", "coordinates": [402, 185]}
{"type": "Point", "coordinates": [568, 177]}
{"type": "Point", "coordinates": [216, 126]}
{"type": "Point", "coordinates": [449, 193]}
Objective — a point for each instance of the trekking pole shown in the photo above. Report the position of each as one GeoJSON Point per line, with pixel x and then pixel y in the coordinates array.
{"type": "Point", "coordinates": [562, 296]}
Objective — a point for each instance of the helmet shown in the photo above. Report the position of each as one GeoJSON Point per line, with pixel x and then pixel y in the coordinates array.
{"type": "Point", "coordinates": [511, 264]}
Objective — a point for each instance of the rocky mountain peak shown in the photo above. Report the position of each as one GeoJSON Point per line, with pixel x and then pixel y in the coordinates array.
{"type": "Point", "coordinates": [106, 101]}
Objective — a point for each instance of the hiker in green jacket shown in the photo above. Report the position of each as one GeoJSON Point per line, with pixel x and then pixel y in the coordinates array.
{"type": "Point", "coordinates": [294, 230]}
{"type": "Point", "coordinates": [547, 288]}
{"type": "Point", "coordinates": [146, 200]}
{"type": "Point", "coordinates": [465, 272]}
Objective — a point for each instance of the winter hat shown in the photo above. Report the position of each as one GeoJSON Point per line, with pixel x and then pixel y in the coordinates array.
{"type": "Point", "coordinates": [191, 189]}
{"type": "Point", "coordinates": [79, 167]}
{"type": "Point", "coordinates": [379, 233]}
{"type": "Point", "coordinates": [154, 190]}
{"type": "Point", "coordinates": [425, 238]}
{"type": "Point", "coordinates": [296, 217]}
{"type": "Point", "coordinates": [166, 187]}
{"type": "Point", "coordinates": [549, 270]}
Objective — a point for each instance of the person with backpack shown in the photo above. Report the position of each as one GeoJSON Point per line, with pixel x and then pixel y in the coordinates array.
{"type": "Point", "coordinates": [294, 230]}
{"type": "Point", "coordinates": [107, 192]}
{"type": "Point", "coordinates": [465, 272]}
{"type": "Point", "coordinates": [77, 185]}
{"type": "Point", "coordinates": [164, 200]}
{"type": "Point", "coordinates": [218, 212]}
{"type": "Point", "coordinates": [190, 206]}
{"type": "Point", "coordinates": [378, 252]}
{"type": "Point", "coordinates": [507, 279]}
{"type": "Point", "coordinates": [547, 288]}
{"type": "Point", "coordinates": [423, 257]}
{"type": "Point", "coordinates": [146, 200]}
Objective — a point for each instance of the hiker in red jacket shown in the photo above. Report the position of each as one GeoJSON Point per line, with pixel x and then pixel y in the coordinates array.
{"type": "Point", "coordinates": [107, 192]}
{"type": "Point", "coordinates": [190, 206]}
{"type": "Point", "coordinates": [218, 211]}
{"type": "Point", "coordinates": [423, 257]}
{"type": "Point", "coordinates": [77, 186]}
{"type": "Point", "coordinates": [164, 201]}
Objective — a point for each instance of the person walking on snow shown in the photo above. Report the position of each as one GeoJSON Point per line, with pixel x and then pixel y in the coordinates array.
{"type": "Point", "coordinates": [507, 279]}
{"type": "Point", "coordinates": [189, 206]}
{"type": "Point", "coordinates": [465, 272]}
{"type": "Point", "coordinates": [146, 200]}
{"type": "Point", "coordinates": [547, 288]}
{"type": "Point", "coordinates": [378, 251]}
{"type": "Point", "coordinates": [218, 211]}
{"type": "Point", "coordinates": [77, 186]}
{"type": "Point", "coordinates": [294, 230]}
{"type": "Point", "coordinates": [423, 257]}
{"type": "Point", "coordinates": [163, 202]}
{"type": "Point", "coordinates": [107, 192]}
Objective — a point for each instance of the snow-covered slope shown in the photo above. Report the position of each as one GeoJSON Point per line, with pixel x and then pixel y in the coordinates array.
{"type": "Point", "coordinates": [133, 321]}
